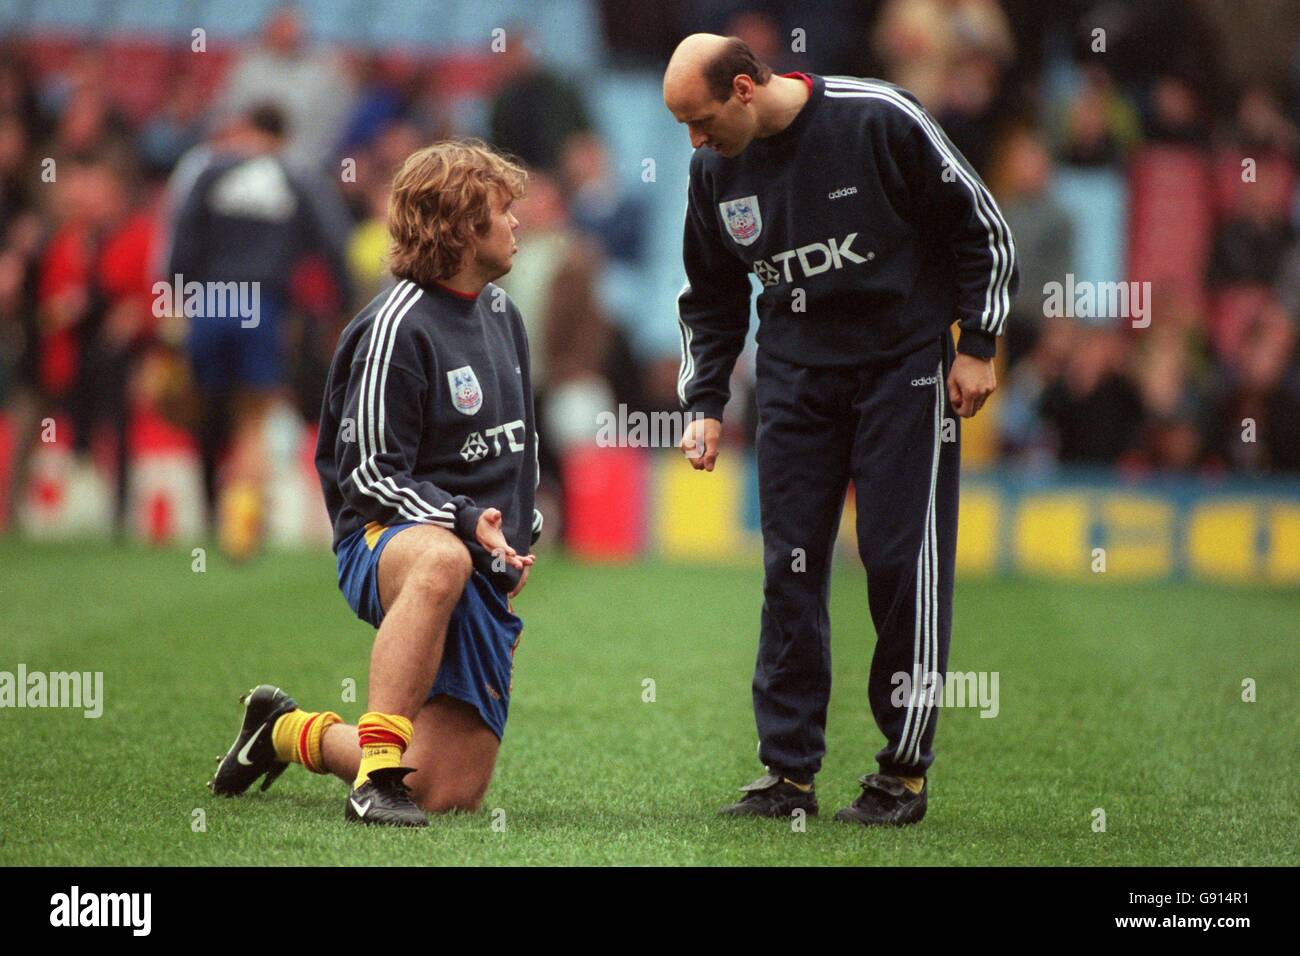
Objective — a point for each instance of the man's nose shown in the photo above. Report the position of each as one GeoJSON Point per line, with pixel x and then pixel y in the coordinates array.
{"type": "Point", "coordinates": [697, 139]}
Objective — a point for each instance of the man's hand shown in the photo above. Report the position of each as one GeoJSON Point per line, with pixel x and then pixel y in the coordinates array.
{"type": "Point", "coordinates": [489, 535]}
{"type": "Point", "coordinates": [700, 442]}
{"type": "Point", "coordinates": [970, 382]}
{"type": "Point", "coordinates": [523, 579]}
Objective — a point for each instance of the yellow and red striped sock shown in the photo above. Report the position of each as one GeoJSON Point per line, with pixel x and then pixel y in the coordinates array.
{"type": "Point", "coordinates": [383, 738]}
{"type": "Point", "coordinates": [297, 737]}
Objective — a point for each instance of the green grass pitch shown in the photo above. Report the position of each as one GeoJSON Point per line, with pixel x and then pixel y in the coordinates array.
{"type": "Point", "coordinates": [1121, 697]}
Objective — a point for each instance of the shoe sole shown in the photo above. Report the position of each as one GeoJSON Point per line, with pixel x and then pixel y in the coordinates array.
{"type": "Point", "coordinates": [850, 815]}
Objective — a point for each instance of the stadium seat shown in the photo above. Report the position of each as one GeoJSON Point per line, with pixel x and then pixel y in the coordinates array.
{"type": "Point", "coordinates": [139, 72]}
{"type": "Point", "coordinates": [225, 21]}
{"type": "Point", "coordinates": [1171, 218]}
{"type": "Point", "coordinates": [1096, 201]}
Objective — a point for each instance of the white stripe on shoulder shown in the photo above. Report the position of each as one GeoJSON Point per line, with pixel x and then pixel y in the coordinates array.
{"type": "Point", "coordinates": [370, 416]}
{"type": "Point", "coordinates": [997, 300]}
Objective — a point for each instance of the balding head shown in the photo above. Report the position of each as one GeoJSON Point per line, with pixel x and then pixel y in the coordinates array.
{"type": "Point", "coordinates": [709, 85]}
{"type": "Point", "coordinates": [704, 67]}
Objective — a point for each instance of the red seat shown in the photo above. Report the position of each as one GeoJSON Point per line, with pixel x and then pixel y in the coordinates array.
{"type": "Point", "coordinates": [1170, 218]}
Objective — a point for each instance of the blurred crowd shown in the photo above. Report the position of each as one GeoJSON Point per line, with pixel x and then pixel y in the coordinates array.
{"type": "Point", "coordinates": [1163, 149]}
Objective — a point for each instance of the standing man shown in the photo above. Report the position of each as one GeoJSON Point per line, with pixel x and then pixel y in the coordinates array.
{"type": "Point", "coordinates": [428, 459]}
{"type": "Point", "coordinates": [871, 235]}
{"type": "Point", "coordinates": [245, 221]}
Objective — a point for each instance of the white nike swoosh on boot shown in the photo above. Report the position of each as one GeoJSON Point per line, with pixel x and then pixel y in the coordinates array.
{"type": "Point", "coordinates": [242, 756]}
{"type": "Point", "coordinates": [361, 808]}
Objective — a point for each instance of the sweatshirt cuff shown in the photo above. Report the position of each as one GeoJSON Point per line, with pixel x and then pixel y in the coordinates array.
{"type": "Point", "coordinates": [707, 409]}
{"type": "Point", "coordinates": [467, 521]}
{"type": "Point", "coordinates": [977, 343]}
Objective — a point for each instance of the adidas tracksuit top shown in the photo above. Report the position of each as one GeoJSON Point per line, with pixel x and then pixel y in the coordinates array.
{"type": "Point", "coordinates": [870, 235]}
{"type": "Point", "coordinates": [428, 417]}
{"type": "Point", "coordinates": [868, 230]}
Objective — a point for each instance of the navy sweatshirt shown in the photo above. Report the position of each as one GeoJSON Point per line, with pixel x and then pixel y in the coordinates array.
{"type": "Point", "coordinates": [251, 219]}
{"type": "Point", "coordinates": [869, 232]}
{"type": "Point", "coordinates": [428, 417]}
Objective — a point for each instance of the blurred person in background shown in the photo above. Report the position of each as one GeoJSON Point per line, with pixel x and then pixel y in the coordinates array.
{"type": "Point", "coordinates": [1098, 125]}
{"type": "Point", "coordinates": [1177, 113]}
{"type": "Point", "coordinates": [167, 136]}
{"type": "Point", "coordinates": [1251, 244]}
{"type": "Point", "coordinates": [1025, 437]}
{"type": "Point", "coordinates": [311, 88]}
{"type": "Point", "coordinates": [94, 297]}
{"type": "Point", "coordinates": [22, 235]}
{"type": "Point", "coordinates": [1044, 232]}
{"type": "Point", "coordinates": [1093, 408]}
{"type": "Point", "coordinates": [597, 206]}
{"type": "Point", "coordinates": [536, 109]}
{"type": "Point", "coordinates": [368, 243]}
{"type": "Point", "coordinates": [248, 218]}
{"type": "Point", "coordinates": [1254, 404]}
{"type": "Point", "coordinates": [1172, 409]}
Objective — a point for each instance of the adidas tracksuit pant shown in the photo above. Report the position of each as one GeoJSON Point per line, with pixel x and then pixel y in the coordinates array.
{"type": "Point", "coordinates": [880, 427]}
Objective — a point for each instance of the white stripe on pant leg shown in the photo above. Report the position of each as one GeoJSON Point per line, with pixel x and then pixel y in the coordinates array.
{"type": "Point", "coordinates": [926, 568]}
{"type": "Point", "coordinates": [932, 646]}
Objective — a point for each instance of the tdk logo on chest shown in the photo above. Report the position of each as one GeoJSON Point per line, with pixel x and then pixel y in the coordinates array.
{"type": "Point", "coordinates": [812, 259]}
{"type": "Point", "coordinates": [476, 446]}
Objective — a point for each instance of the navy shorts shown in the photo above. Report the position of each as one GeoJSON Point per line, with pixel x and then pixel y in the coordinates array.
{"type": "Point", "coordinates": [478, 657]}
{"type": "Point", "coordinates": [224, 352]}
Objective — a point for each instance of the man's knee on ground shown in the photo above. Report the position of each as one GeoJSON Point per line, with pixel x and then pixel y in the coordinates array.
{"type": "Point", "coordinates": [463, 796]}
{"type": "Point", "coordinates": [443, 567]}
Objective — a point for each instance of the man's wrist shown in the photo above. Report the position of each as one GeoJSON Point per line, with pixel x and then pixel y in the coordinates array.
{"type": "Point", "coordinates": [701, 410]}
{"type": "Point", "coordinates": [977, 344]}
{"type": "Point", "coordinates": [467, 522]}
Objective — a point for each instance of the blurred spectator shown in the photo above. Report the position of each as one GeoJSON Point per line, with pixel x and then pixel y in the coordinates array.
{"type": "Point", "coordinates": [1100, 125]}
{"type": "Point", "coordinates": [1176, 113]}
{"type": "Point", "coordinates": [929, 46]}
{"type": "Point", "coordinates": [311, 89]}
{"type": "Point", "coordinates": [1250, 246]}
{"type": "Point", "coordinates": [1255, 402]}
{"type": "Point", "coordinates": [1043, 230]}
{"type": "Point", "coordinates": [597, 206]}
{"type": "Point", "coordinates": [1093, 408]}
{"type": "Point", "coordinates": [1172, 406]}
{"type": "Point", "coordinates": [166, 137]}
{"type": "Point", "coordinates": [536, 110]}
{"type": "Point", "coordinates": [94, 296]}
{"type": "Point", "coordinates": [1025, 436]}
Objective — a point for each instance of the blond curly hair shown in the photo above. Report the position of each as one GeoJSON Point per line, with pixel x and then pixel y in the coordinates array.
{"type": "Point", "coordinates": [440, 198]}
